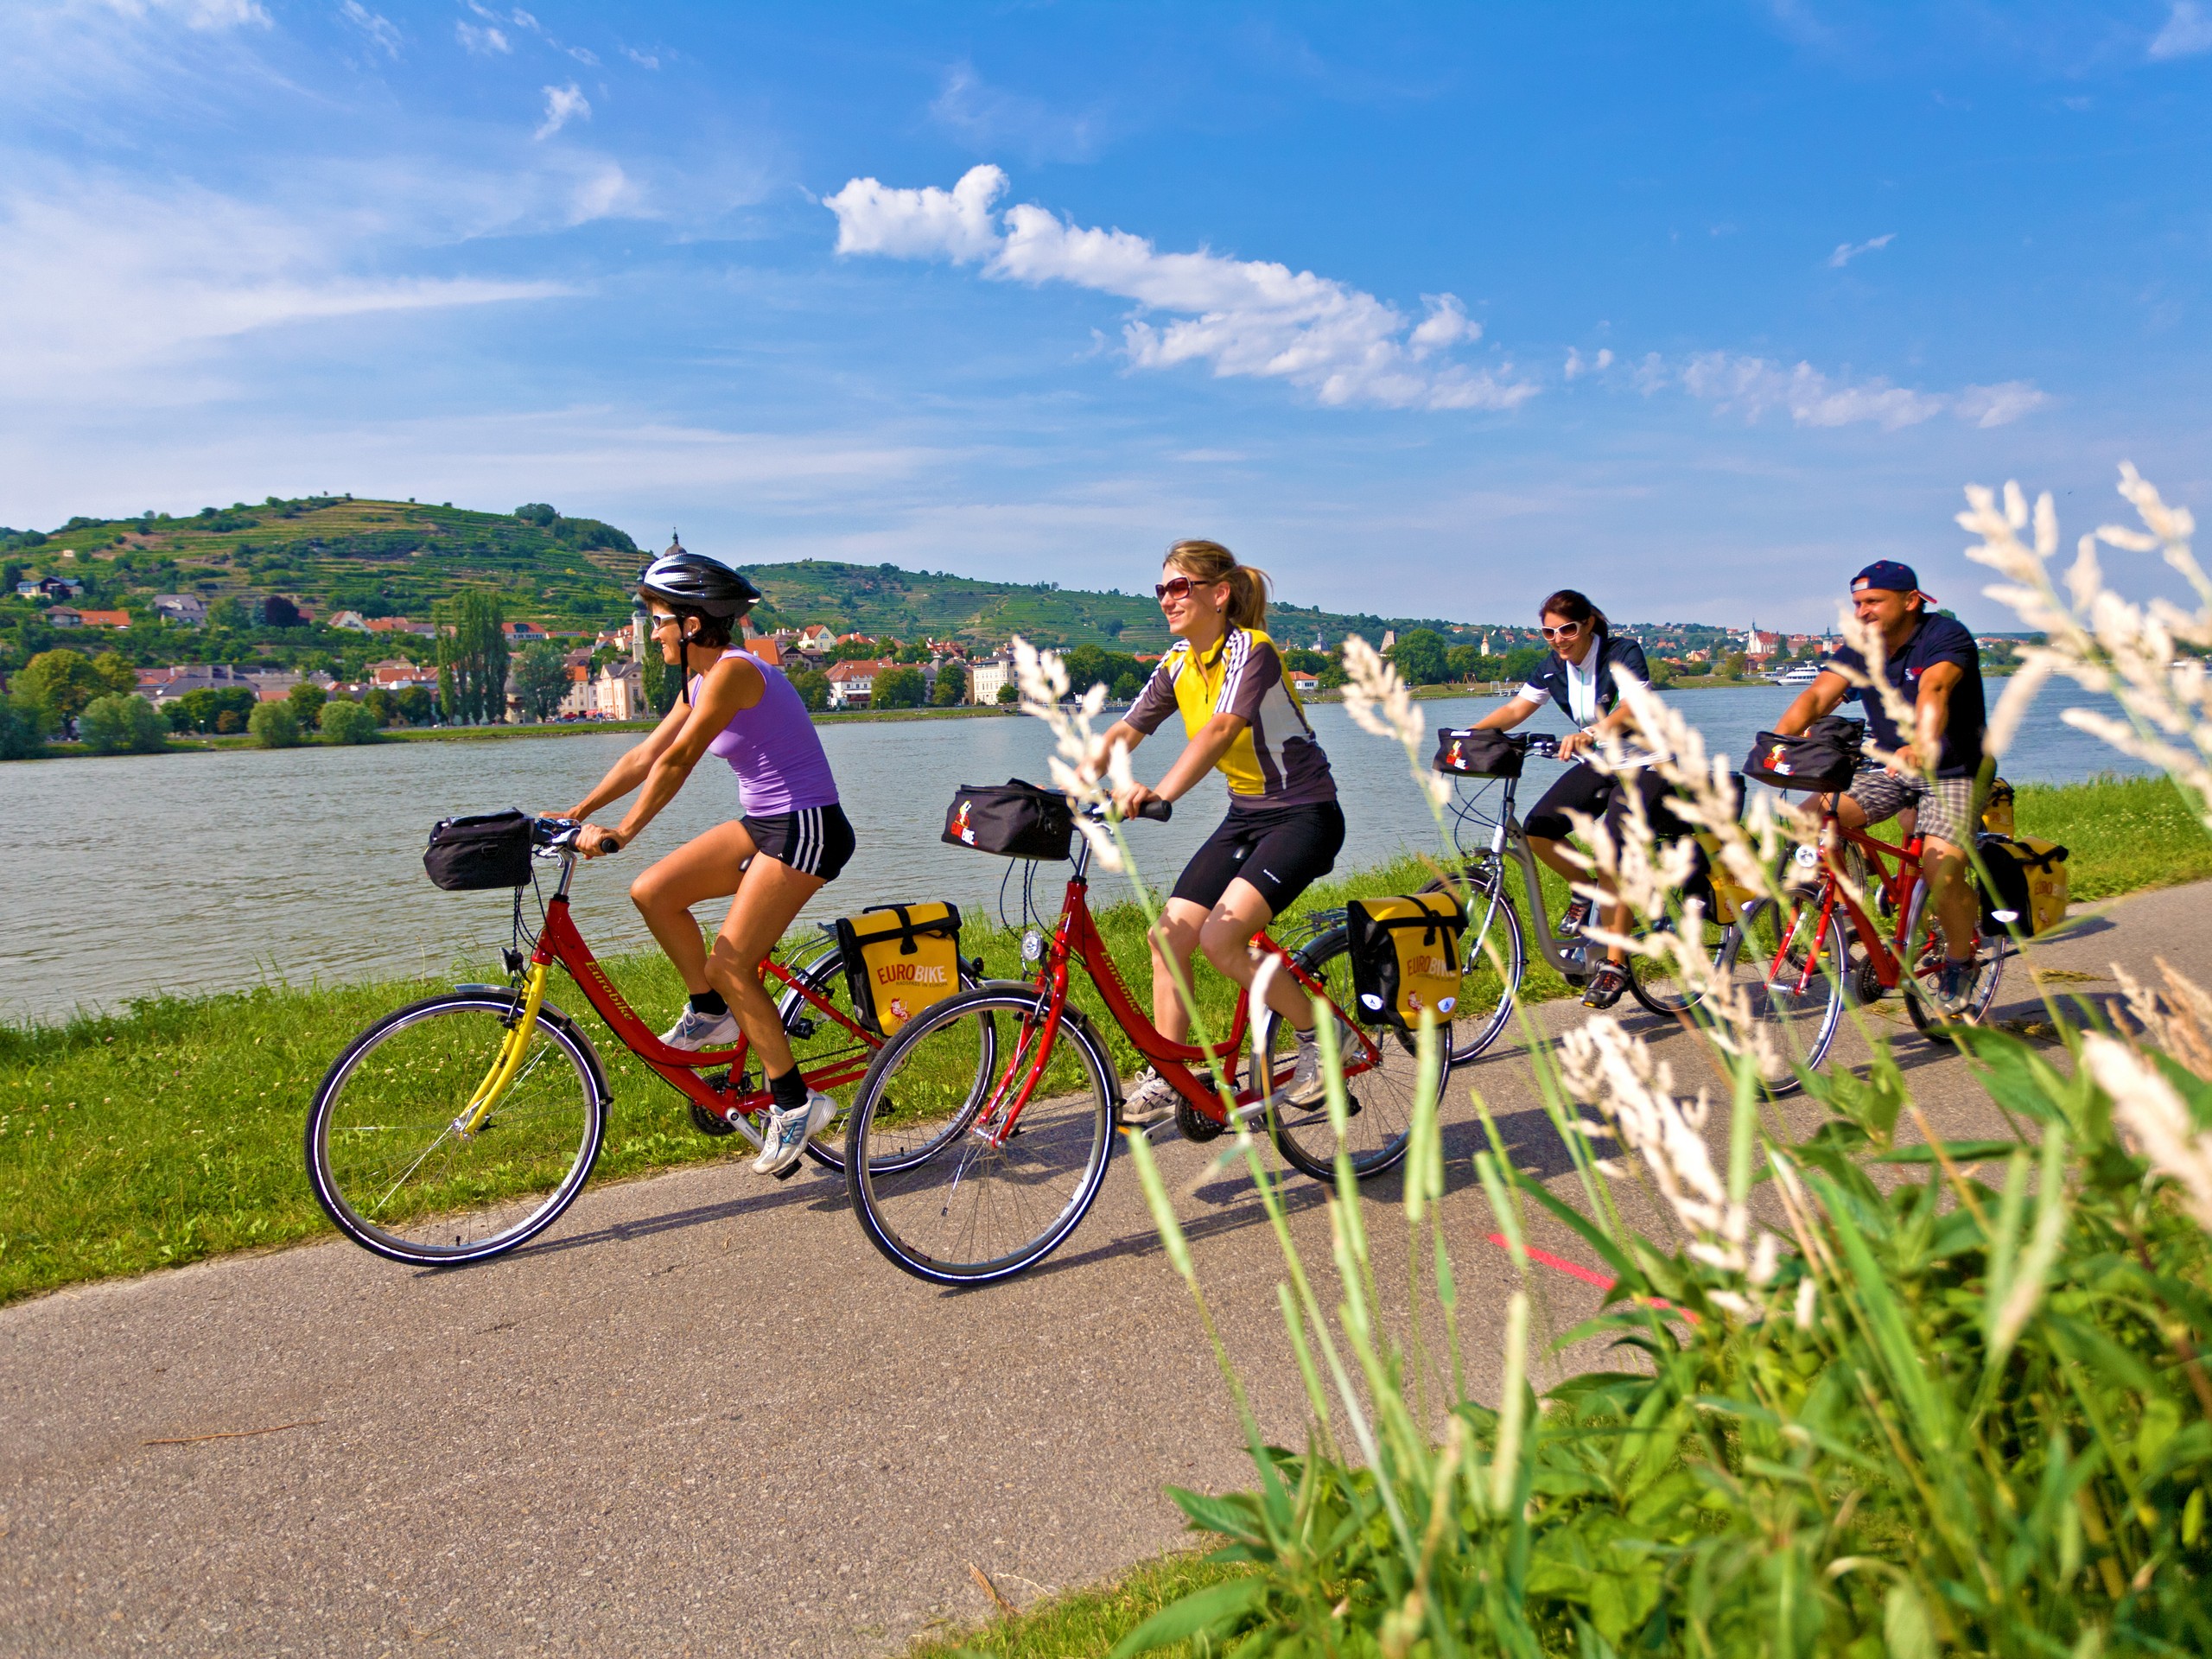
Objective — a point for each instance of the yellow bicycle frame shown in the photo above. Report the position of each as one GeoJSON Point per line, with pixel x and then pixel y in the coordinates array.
{"type": "Point", "coordinates": [502, 1074]}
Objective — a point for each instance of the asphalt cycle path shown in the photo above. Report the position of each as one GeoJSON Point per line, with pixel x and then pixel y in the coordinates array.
{"type": "Point", "coordinates": [703, 1417]}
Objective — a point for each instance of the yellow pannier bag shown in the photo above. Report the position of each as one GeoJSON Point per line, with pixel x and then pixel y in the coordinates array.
{"type": "Point", "coordinates": [1997, 810]}
{"type": "Point", "coordinates": [2026, 889]}
{"type": "Point", "coordinates": [1728, 899]}
{"type": "Point", "coordinates": [2048, 886]}
{"type": "Point", "coordinates": [1405, 956]}
{"type": "Point", "coordinates": [899, 959]}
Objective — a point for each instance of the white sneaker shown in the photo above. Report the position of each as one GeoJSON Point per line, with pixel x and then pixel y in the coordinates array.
{"type": "Point", "coordinates": [1308, 1085]}
{"type": "Point", "coordinates": [1152, 1101]}
{"type": "Point", "coordinates": [789, 1131]}
{"type": "Point", "coordinates": [696, 1031]}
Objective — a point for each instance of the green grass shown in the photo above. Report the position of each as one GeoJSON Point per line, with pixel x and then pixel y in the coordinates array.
{"type": "Point", "coordinates": [1084, 1622]}
{"type": "Point", "coordinates": [171, 1131]}
{"type": "Point", "coordinates": [2123, 833]}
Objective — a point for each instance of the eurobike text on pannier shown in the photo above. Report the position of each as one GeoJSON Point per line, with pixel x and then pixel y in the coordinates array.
{"type": "Point", "coordinates": [1013, 819]}
{"type": "Point", "coordinates": [477, 854]}
{"type": "Point", "coordinates": [900, 960]}
{"type": "Point", "coordinates": [1405, 956]}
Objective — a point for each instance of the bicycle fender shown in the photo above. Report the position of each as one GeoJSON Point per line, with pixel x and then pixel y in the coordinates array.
{"type": "Point", "coordinates": [549, 1013]}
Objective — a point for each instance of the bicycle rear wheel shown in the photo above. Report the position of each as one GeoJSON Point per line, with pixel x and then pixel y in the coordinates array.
{"type": "Point", "coordinates": [1924, 953]}
{"type": "Point", "coordinates": [1492, 959]}
{"type": "Point", "coordinates": [390, 1162]}
{"type": "Point", "coordinates": [833, 1057]}
{"type": "Point", "coordinates": [1791, 971]}
{"type": "Point", "coordinates": [960, 1172]}
{"type": "Point", "coordinates": [1657, 982]}
{"type": "Point", "coordinates": [1381, 1078]}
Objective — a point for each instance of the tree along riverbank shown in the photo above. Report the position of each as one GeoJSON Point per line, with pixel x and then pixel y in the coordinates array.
{"type": "Point", "coordinates": [171, 1132]}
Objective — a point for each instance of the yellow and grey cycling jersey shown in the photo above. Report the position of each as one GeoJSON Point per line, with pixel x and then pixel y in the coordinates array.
{"type": "Point", "coordinates": [1276, 760]}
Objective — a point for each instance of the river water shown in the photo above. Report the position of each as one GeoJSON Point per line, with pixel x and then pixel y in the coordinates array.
{"type": "Point", "coordinates": [149, 873]}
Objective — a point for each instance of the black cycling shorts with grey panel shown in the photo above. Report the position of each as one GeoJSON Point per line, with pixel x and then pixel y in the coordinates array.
{"type": "Point", "coordinates": [1280, 850]}
{"type": "Point", "coordinates": [814, 841]}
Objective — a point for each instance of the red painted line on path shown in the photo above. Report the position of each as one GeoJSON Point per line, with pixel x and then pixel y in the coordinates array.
{"type": "Point", "coordinates": [1559, 1263]}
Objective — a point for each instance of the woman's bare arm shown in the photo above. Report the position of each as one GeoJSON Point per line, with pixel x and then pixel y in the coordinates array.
{"type": "Point", "coordinates": [730, 685]}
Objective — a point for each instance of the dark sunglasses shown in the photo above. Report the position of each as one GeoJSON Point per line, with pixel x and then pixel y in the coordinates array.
{"type": "Point", "coordinates": [1174, 588]}
{"type": "Point", "coordinates": [1565, 631]}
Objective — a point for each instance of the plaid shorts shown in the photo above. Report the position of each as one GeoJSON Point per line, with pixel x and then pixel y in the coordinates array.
{"type": "Point", "coordinates": [1946, 806]}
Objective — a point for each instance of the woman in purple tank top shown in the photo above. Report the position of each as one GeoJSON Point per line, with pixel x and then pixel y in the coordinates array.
{"type": "Point", "coordinates": [790, 838]}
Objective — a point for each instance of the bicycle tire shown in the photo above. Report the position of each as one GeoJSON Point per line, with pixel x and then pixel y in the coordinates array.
{"type": "Point", "coordinates": [1801, 1002]}
{"type": "Point", "coordinates": [1923, 954]}
{"type": "Point", "coordinates": [913, 1145]}
{"type": "Point", "coordinates": [388, 1107]}
{"type": "Point", "coordinates": [1658, 984]}
{"type": "Point", "coordinates": [1383, 1090]}
{"type": "Point", "coordinates": [1488, 986]}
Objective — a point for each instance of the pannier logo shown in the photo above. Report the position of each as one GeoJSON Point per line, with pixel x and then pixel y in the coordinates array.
{"type": "Point", "coordinates": [1776, 763]}
{"type": "Point", "coordinates": [898, 1011]}
{"type": "Point", "coordinates": [1457, 757]}
{"type": "Point", "coordinates": [911, 973]}
{"type": "Point", "coordinates": [1430, 968]}
{"type": "Point", "coordinates": [960, 823]}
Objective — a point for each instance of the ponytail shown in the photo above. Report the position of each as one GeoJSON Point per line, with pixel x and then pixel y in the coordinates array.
{"type": "Point", "coordinates": [1209, 563]}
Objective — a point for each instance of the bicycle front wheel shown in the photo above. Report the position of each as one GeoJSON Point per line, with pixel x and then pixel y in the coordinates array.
{"type": "Point", "coordinates": [1657, 982]}
{"type": "Point", "coordinates": [1933, 1017]}
{"type": "Point", "coordinates": [394, 1162]}
{"type": "Point", "coordinates": [1381, 1078]}
{"type": "Point", "coordinates": [1791, 971]}
{"type": "Point", "coordinates": [980, 1137]}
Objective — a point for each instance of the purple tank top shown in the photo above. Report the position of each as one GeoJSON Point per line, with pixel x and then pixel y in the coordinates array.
{"type": "Point", "coordinates": [773, 749]}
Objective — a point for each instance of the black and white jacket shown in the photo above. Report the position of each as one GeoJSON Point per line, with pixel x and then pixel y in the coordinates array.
{"type": "Point", "coordinates": [1586, 696]}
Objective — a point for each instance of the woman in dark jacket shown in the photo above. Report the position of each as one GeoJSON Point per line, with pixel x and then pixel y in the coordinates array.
{"type": "Point", "coordinates": [1582, 678]}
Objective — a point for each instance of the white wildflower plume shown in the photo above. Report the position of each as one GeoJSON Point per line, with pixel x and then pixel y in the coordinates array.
{"type": "Point", "coordinates": [1043, 679]}
{"type": "Point", "coordinates": [2177, 1020]}
{"type": "Point", "coordinates": [2155, 1113]}
{"type": "Point", "coordinates": [2146, 656]}
{"type": "Point", "coordinates": [1635, 1093]}
{"type": "Point", "coordinates": [1381, 703]}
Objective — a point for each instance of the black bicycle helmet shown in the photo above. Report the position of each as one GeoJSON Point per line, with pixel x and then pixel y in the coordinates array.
{"type": "Point", "coordinates": [692, 582]}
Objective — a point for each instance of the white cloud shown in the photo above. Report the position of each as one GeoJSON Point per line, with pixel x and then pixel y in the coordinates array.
{"type": "Point", "coordinates": [924, 224]}
{"type": "Point", "coordinates": [643, 59]}
{"type": "Point", "coordinates": [1756, 386]}
{"type": "Point", "coordinates": [383, 33]}
{"type": "Point", "coordinates": [485, 42]}
{"type": "Point", "coordinates": [199, 13]}
{"type": "Point", "coordinates": [1578, 365]}
{"type": "Point", "coordinates": [583, 55]}
{"type": "Point", "coordinates": [1243, 317]}
{"type": "Point", "coordinates": [562, 104]}
{"type": "Point", "coordinates": [1846, 251]}
{"type": "Point", "coordinates": [990, 119]}
{"type": "Point", "coordinates": [2188, 32]}
{"type": "Point", "coordinates": [106, 286]}
{"type": "Point", "coordinates": [523, 19]}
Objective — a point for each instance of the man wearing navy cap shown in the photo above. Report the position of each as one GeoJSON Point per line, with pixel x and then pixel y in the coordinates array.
{"type": "Point", "coordinates": [1934, 664]}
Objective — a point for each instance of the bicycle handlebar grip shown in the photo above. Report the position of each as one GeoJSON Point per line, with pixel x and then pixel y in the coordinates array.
{"type": "Point", "coordinates": [1158, 812]}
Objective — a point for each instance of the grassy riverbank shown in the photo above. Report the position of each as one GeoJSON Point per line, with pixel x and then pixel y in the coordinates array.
{"type": "Point", "coordinates": [171, 1132]}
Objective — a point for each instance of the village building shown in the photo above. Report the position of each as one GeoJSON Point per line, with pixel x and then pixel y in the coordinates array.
{"type": "Point", "coordinates": [187, 609]}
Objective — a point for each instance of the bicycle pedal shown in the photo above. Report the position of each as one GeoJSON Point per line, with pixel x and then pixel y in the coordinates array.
{"type": "Point", "coordinates": [789, 1169]}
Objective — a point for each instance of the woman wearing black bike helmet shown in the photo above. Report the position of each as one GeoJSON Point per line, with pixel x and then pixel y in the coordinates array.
{"type": "Point", "coordinates": [789, 839]}
{"type": "Point", "coordinates": [1583, 678]}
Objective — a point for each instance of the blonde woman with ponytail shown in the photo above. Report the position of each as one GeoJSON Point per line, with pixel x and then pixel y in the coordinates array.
{"type": "Point", "coordinates": [1284, 829]}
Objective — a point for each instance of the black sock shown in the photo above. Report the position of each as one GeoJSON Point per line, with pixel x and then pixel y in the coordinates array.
{"type": "Point", "coordinates": [709, 1002]}
{"type": "Point", "coordinates": [788, 1091]}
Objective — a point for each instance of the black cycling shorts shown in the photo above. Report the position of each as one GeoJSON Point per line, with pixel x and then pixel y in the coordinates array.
{"type": "Point", "coordinates": [818, 841]}
{"type": "Point", "coordinates": [1280, 850]}
{"type": "Point", "coordinates": [1581, 786]}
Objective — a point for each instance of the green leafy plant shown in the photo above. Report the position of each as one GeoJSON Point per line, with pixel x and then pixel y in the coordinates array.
{"type": "Point", "coordinates": [116, 724]}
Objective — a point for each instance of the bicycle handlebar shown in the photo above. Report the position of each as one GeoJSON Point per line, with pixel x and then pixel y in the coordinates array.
{"type": "Point", "coordinates": [1158, 812]}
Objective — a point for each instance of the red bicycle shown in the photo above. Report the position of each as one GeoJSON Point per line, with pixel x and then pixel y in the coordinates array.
{"type": "Point", "coordinates": [457, 1128]}
{"type": "Point", "coordinates": [980, 1137]}
{"type": "Point", "coordinates": [1799, 960]}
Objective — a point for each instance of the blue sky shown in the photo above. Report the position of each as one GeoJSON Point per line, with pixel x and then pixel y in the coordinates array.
{"type": "Point", "coordinates": [1428, 310]}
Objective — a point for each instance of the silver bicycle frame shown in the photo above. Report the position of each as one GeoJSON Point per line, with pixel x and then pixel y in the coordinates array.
{"type": "Point", "coordinates": [1508, 839]}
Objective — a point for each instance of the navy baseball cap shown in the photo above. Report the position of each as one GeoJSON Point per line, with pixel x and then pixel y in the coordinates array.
{"type": "Point", "coordinates": [1889, 577]}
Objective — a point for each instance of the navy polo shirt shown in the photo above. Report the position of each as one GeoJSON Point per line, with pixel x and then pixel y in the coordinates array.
{"type": "Point", "coordinates": [1937, 639]}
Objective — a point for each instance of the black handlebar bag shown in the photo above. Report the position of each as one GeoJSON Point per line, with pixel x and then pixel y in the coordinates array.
{"type": "Point", "coordinates": [1013, 819]}
{"type": "Point", "coordinates": [1474, 752]}
{"type": "Point", "coordinates": [1824, 760]}
{"type": "Point", "coordinates": [475, 855]}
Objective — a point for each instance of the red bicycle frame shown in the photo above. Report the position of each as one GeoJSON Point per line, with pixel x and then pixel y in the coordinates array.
{"type": "Point", "coordinates": [1077, 938]}
{"type": "Point", "coordinates": [559, 940]}
{"type": "Point", "coordinates": [1885, 958]}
